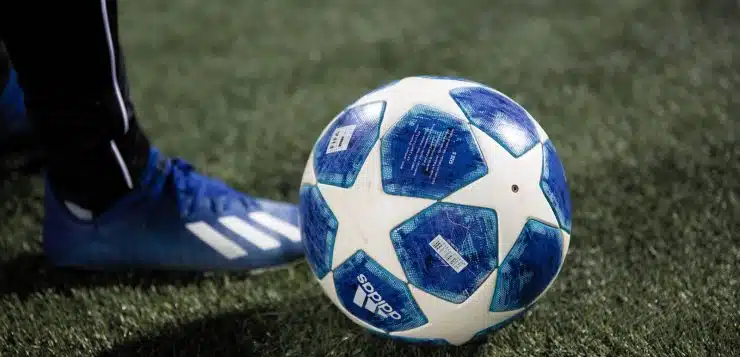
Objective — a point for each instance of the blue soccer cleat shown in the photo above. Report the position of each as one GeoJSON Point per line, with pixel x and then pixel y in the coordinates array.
{"type": "Point", "coordinates": [18, 150]}
{"type": "Point", "coordinates": [12, 109]}
{"type": "Point", "coordinates": [177, 220]}
{"type": "Point", "coordinates": [13, 123]}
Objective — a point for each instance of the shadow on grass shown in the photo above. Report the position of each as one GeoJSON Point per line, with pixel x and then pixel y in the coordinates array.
{"type": "Point", "coordinates": [300, 327]}
{"type": "Point", "coordinates": [19, 156]}
{"type": "Point", "coordinates": [717, 9]}
{"type": "Point", "coordinates": [29, 273]}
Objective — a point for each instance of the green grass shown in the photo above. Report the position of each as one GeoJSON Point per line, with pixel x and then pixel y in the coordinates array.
{"type": "Point", "coordinates": [639, 96]}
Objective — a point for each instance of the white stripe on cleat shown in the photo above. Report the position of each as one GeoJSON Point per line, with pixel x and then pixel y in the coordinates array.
{"type": "Point", "coordinates": [253, 235]}
{"type": "Point", "coordinates": [286, 229]}
{"type": "Point", "coordinates": [216, 240]}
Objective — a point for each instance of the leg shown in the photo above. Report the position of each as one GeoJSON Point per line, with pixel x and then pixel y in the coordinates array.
{"type": "Point", "coordinates": [77, 98]}
{"type": "Point", "coordinates": [111, 199]}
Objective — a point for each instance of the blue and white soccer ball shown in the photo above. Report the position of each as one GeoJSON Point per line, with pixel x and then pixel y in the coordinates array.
{"type": "Point", "coordinates": [434, 210]}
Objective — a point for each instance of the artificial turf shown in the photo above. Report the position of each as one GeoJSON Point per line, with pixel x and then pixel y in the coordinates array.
{"type": "Point", "coordinates": [639, 97]}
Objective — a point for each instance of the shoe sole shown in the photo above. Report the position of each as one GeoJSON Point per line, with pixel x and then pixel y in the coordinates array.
{"type": "Point", "coordinates": [183, 269]}
{"type": "Point", "coordinates": [275, 268]}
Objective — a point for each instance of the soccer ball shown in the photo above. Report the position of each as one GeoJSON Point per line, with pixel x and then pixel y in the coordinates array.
{"type": "Point", "coordinates": [434, 210]}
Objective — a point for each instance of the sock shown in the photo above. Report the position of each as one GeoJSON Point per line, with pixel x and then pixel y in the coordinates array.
{"type": "Point", "coordinates": [90, 178]}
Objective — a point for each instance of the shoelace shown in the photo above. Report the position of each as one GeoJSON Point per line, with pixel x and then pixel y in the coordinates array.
{"type": "Point", "coordinates": [193, 188]}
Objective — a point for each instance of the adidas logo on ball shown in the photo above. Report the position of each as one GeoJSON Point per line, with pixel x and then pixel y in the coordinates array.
{"type": "Point", "coordinates": [366, 296]}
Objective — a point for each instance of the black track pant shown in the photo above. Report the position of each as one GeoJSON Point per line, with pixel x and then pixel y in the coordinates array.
{"type": "Point", "coordinates": [70, 66]}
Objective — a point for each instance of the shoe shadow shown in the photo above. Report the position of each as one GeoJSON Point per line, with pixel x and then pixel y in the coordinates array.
{"type": "Point", "coordinates": [20, 157]}
{"type": "Point", "coordinates": [17, 195]}
{"type": "Point", "coordinates": [307, 326]}
{"type": "Point", "coordinates": [28, 273]}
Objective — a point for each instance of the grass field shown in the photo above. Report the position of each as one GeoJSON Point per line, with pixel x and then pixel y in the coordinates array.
{"type": "Point", "coordinates": [639, 96]}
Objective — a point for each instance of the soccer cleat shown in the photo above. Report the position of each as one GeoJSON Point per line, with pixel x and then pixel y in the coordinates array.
{"type": "Point", "coordinates": [17, 148]}
{"type": "Point", "coordinates": [11, 104]}
{"type": "Point", "coordinates": [176, 220]}
{"type": "Point", "coordinates": [13, 121]}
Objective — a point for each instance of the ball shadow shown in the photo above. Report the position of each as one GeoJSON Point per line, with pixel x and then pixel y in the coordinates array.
{"type": "Point", "coordinates": [36, 275]}
{"type": "Point", "coordinates": [306, 326]}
